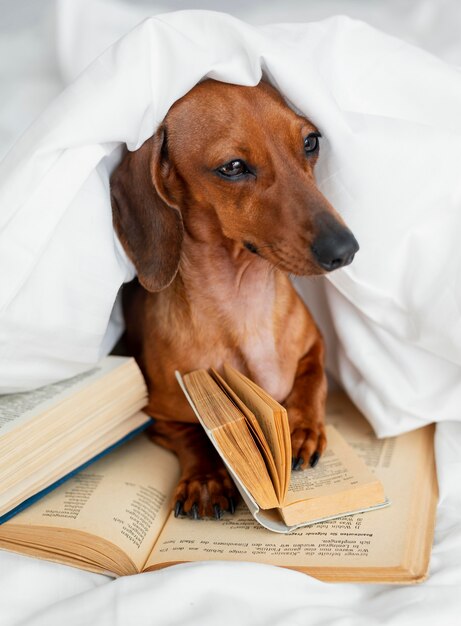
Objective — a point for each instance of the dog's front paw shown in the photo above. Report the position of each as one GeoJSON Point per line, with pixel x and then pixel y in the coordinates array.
{"type": "Point", "coordinates": [308, 440]}
{"type": "Point", "coordinates": [201, 495]}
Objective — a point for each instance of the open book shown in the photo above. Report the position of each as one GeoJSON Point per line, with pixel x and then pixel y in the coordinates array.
{"type": "Point", "coordinates": [47, 434]}
{"type": "Point", "coordinates": [115, 516]}
{"type": "Point", "coordinates": [250, 431]}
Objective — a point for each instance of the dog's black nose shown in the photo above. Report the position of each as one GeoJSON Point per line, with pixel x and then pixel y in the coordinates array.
{"type": "Point", "coordinates": [334, 245]}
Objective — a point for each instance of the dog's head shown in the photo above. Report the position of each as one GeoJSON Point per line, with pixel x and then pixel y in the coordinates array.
{"type": "Point", "coordinates": [243, 156]}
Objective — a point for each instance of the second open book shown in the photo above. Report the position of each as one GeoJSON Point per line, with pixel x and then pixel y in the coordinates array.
{"type": "Point", "coordinates": [250, 431]}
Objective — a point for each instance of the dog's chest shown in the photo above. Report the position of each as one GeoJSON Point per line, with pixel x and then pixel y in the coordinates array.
{"type": "Point", "coordinates": [248, 318]}
{"type": "Point", "coordinates": [266, 367]}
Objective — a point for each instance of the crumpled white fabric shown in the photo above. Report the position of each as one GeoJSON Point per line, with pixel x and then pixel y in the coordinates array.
{"type": "Point", "coordinates": [389, 114]}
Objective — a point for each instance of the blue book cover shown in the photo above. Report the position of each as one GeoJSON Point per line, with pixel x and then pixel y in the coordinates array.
{"type": "Point", "coordinates": [60, 481]}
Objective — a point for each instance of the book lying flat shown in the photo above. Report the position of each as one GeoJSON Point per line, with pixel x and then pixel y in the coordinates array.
{"type": "Point", "coordinates": [48, 433]}
{"type": "Point", "coordinates": [115, 517]}
{"type": "Point", "coordinates": [250, 431]}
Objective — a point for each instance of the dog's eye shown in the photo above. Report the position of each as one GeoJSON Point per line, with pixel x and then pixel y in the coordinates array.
{"type": "Point", "coordinates": [234, 169]}
{"type": "Point", "coordinates": [311, 142]}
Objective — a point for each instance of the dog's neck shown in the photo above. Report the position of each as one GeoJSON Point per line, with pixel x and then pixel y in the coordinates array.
{"type": "Point", "coordinates": [220, 270]}
{"type": "Point", "coordinates": [226, 296]}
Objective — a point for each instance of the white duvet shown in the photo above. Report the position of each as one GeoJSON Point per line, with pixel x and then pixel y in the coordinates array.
{"type": "Point", "coordinates": [390, 117]}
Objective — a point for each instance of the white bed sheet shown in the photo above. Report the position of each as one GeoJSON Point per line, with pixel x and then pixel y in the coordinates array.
{"type": "Point", "coordinates": [35, 592]}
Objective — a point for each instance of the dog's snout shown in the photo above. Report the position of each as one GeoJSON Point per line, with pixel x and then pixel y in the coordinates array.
{"type": "Point", "coordinates": [334, 246]}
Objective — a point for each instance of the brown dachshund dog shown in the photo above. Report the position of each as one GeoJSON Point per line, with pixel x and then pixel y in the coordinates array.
{"type": "Point", "coordinates": [215, 210]}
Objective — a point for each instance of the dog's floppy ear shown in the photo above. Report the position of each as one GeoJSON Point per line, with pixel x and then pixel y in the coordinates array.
{"type": "Point", "coordinates": [147, 222]}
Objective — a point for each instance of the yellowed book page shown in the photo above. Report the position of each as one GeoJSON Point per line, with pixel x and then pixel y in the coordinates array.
{"type": "Point", "coordinates": [252, 422]}
{"type": "Point", "coordinates": [376, 539]}
{"type": "Point", "coordinates": [18, 409]}
{"type": "Point", "coordinates": [272, 416]}
{"type": "Point", "coordinates": [247, 464]}
{"type": "Point", "coordinates": [228, 430]}
{"type": "Point", "coordinates": [123, 498]}
{"type": "Point", "coordinates": [339, 469]}
{"type": "Point", "coordinates": [255, 430]}
{"type": "Point", "coordinates": [265, 416]}
{"type": "Point", "coordinates": [213, 405]}
{"type": "Point", "coordinates": [283, 427]}
{"type": "Point", "coordinates": [354, 500]}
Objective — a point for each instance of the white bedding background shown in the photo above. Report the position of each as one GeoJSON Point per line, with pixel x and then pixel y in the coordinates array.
{"type": "Point", "coordinates": [33, 71]}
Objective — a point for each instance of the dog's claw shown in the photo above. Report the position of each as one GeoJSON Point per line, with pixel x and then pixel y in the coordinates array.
{"type": "Point", "coordinates": [314, 459]}
{"type": "Point", "coordinates": [194, 511]}
{"type": "Point", "coordinates": [231, 505]}
{"type": "Point", "coordinates": [308, 443]}
{"type": "Point", "coordinates": [178, 509]}
{"type": "Point", "coordinates": [206, 495]}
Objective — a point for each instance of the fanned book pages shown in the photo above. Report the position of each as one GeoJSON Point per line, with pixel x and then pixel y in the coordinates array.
{"type": "Point", "coordinates": [115, 516]}
{"type": "Point", "coordinates": [47, 434]}
{"type": "Point", "coordinates": [250, 431]}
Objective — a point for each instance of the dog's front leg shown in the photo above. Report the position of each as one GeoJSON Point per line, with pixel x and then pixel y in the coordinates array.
{"type": "Point", "coordinates": [306, 408]}
{"type": "Point", "coordinates": [205, 488]}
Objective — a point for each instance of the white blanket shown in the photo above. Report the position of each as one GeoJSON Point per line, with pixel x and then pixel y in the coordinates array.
{"type": "Point", "coordinates": [374, 335]}
{"type": "Point", "coordinates": [389, 164]}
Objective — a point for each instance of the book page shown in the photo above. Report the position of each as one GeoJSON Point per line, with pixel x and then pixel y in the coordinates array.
{"type": "Point", "coordinates": [338, 469]}
{"type": "Point", "coordinates": [283, 427]}
{"type": "Point", "coordinates": [374, 539]}
{"type": "Point", "coordinates": [123, 498]}
{"type": "Point", "coordinates": [232, 440]}
{"type": "Point", "coordinates": [253, 426]}
{"type": "Point", "coordinates": [18, 408]}
{"type": "Point", "coordinates": [267, 419]}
